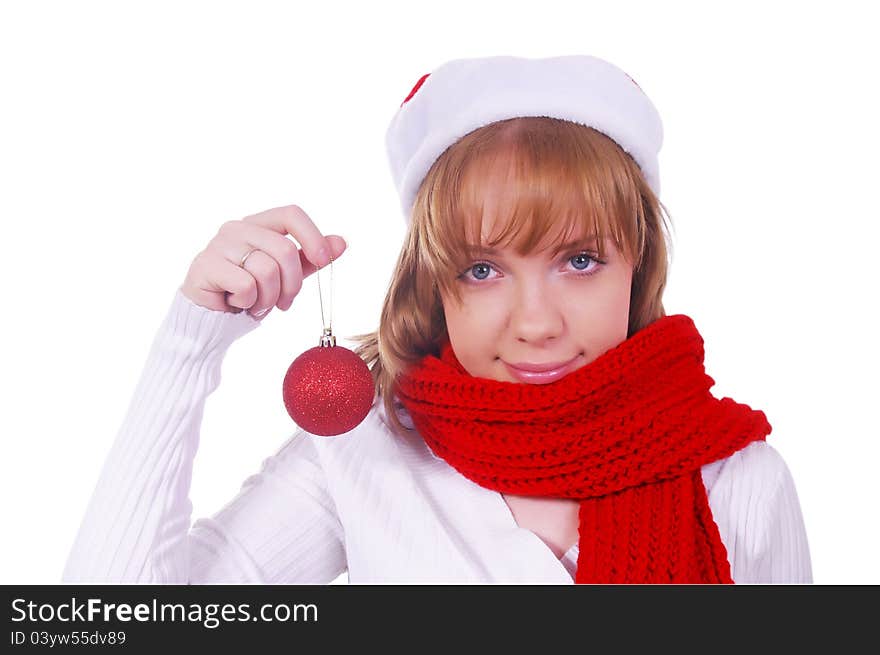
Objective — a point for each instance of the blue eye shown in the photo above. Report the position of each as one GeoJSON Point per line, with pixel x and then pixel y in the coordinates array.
{"type": "Point", "coordinates": [583, 255]}
{"type": "Point", "coordinates": [480, 265]}
{"type": "Point", "coordinates": [583, 259]}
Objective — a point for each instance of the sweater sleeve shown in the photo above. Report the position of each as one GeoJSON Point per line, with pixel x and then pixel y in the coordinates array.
{"type": "Point", "coordinates": [281, 528]}
{"type": "Point", "coordinates": [760, 518]}
{"type": "Point", "coordinates": [137, 529]}
{"type": "Point", "coordinates": [786, 558]}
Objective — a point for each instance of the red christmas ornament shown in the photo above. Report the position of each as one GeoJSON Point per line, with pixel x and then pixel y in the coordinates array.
{"type": "Point", "coordinates": [328, 389]}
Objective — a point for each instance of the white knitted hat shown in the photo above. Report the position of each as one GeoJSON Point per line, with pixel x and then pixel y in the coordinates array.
{"type": "Point", "coordinates": [465, 94]}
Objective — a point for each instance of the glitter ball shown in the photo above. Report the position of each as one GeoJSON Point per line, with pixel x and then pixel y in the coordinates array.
{"type": "Point", "coordinates": [328, 390]}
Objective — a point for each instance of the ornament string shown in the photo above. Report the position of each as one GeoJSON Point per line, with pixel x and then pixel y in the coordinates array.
{"type": "Point", "coordinates": [327, 338]}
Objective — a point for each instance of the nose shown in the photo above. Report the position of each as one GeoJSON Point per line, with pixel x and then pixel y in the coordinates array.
{"type": "Point", "coordinates": [536, 315]}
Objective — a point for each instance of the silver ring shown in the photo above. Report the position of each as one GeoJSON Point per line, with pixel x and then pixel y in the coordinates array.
{"type": "Point", "coordinates": [244, 259]}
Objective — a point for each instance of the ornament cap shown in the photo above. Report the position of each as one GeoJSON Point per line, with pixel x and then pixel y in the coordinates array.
{"type": "Point", "coordinates": [328, 340]}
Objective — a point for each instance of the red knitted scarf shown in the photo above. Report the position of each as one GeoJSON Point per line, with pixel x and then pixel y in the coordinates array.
{"type": "Point", "coordinates": [626, 434]}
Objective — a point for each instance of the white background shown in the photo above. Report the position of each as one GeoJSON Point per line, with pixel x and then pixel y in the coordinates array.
{"type": "Point", "coordinates": [130, 131]}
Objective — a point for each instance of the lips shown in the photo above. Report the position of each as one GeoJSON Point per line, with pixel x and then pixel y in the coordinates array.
{"type": "Point", "coordinates": [544, 375]}
{"type": "Point", "coordinates": [539, 368]}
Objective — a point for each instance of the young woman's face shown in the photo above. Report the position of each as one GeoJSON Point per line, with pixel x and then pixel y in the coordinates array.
{"type": "Point", "coordinates": [539, 309]}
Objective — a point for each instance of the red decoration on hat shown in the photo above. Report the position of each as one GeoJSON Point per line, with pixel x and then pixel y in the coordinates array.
{"type": "Point", "coordinates": [415, 88]}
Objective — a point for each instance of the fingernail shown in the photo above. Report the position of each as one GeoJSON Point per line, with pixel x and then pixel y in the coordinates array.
{"type": "Point", "coordinates": [262, 312]}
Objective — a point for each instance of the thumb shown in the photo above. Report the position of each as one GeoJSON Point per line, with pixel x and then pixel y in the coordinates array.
{"type": "Point", "coordinates": [337, 245]}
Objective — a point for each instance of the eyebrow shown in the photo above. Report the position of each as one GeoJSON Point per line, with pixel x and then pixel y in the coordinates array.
{"type": "Point", "coordinates": [565, 246]}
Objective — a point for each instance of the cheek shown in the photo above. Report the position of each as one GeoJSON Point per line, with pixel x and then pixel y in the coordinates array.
{"type": "Point", "coordinates": [473, 335]}
{"type": "Point", "coordinates": [601, 300]}
{"type": "Point", "coordinates": [465, 327]}
{"type": "Point", "coordinates": [603, 313]}
{"type": "Point", "coordinates": [477, 312]}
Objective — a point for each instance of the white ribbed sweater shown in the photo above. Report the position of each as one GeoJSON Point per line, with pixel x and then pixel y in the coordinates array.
{"type": "Point", "coordinates": [383, 508]}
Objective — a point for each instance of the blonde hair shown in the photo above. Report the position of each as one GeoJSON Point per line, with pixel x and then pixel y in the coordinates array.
{"type": "Point", "coordinates": [561, 179]}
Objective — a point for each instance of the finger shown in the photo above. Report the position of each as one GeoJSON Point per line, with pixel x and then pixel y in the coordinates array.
{"type": "Point", "coordinates": [231, 247]}
{"type": "Point", "coordinates": [239, 285]}
{"type": "Point", "coordinates": [293, 220]}
{"type": "Point", "coordinates": [267, 275]}
{"type": "Point", "coordinates": [237, 238]}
